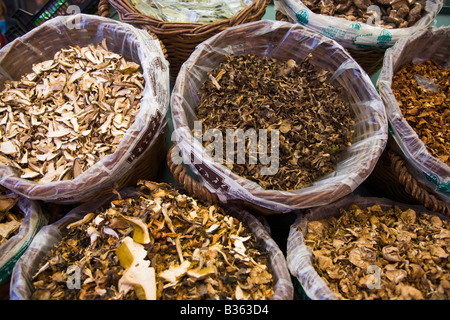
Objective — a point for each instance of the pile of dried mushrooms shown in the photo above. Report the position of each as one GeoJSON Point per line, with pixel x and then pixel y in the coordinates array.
{"type": "Point", "coordinates": [313, 119]}
{"type": "Point", "coordinates": [382, 254]}
{"type": "Point", "coordinates": [159, 244]}
{"type": "Point", "coordinates": [422, 91]}
{"type": "Point", "coordinates": [69, 112]}
{"type": "Point", "coordinates": [10, 219]}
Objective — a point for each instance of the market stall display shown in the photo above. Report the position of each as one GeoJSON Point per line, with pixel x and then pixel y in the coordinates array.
{"type": "Point", "coordinates": [362, 248]}
{"type": "Point", "coordinates": [293, 44]}
{"type": "Point", "coordinates": [181, 38]}
{"type": "Point", "coordinates": [289, 175]}
{"type": "Point", "coordinates": [365, 28]}
{"type": "Point", "coordinates": [153, 242]}
{"type": "Point", "coordinates": [83, 113]}
{"type": "Point", "coordinates": [421, 62]}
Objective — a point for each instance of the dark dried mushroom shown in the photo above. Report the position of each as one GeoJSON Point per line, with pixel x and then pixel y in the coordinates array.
{"type": "Point", "coordinates": [314, 121]}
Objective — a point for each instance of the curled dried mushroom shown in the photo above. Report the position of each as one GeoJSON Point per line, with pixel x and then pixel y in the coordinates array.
{"type": "Point", "coordinates": [314, 122]}
{"type": "Point", "coordinates": [68, 113]}
{"type": "Point", "coordinates": [422, 92]}
{"type": "Point", "coordinates": [382, 254]}
{"type": "Point", "coordinates": [193, 251]}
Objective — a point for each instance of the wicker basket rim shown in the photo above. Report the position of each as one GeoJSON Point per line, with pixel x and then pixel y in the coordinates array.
{"type": "Point", "coordinates": [130, 14]}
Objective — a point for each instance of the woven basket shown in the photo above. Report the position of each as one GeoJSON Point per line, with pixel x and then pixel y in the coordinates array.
{"type": "Point", "coordinates": [4, 289]}
{"type": "Point", "coordinates": [407, 161]}
{"type": "Point", "coordinates": [282, 41]}
{"type": "Point", "coordinates": [180, 39]}
{"type": "Point", "coordinates": [391, 178]}
{"type": "Point", "coordinates": [142, 150]}
{"type": "Point", "coordinates": [11, 250]}
{"type": "Point", "coordinates": [370, 55]}
{"type": "Point", "coordinates": [371, 60]}
{"type": "Point", "coordinates": [27, 265]}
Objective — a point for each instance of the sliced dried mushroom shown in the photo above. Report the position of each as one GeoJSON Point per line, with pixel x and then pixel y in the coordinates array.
{"type": "Point", "coordinates": [10, 219]}
{"type": "Point", "coordinates": [68, 113]}
{"type": "Point", "coordinates": [410, 250]}
{"type": "Point", "coordinates": [187, 256]}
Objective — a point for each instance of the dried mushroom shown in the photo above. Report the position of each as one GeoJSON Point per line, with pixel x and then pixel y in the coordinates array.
{"type": "Point", "coordinates": [422, 92]}
{"type": "Point", "coordinates": [383, 13]}
{"type": "Point", "coordinates": [194, 251]}
{"type": "Point", "coordinates": [10, 218]}
{"type": "Point", "coordinates": [312, 119]}
{"type": "Point", "coordinates": [68, 113]}
{"type": "Point", "coordinates": [382, 254]}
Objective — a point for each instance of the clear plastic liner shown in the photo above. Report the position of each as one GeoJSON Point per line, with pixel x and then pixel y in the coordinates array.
{"type": "Point", "coordinates": [21, 280]}
{"type": "Point", "coordinates": [354, 34]}
{"type": "Point", "coordinates": [434, 44]}
{"type": "Point", "coordinates": [135, 45]}
{"type": "Point", "coordinates": [426, 83]}
{"type": "Point", "coordinates": [300, 257]}
{"type": "Point", "coordinates": [282, 41]}
{"type": "Point", "coordinates": [191, 11]}
{"type": "Point", "coordinates": [14, 247]}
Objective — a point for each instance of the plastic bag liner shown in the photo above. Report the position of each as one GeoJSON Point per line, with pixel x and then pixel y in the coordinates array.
{"type": "Point", "coordinates": [21, 287]}
{"type": "Point", "coordinates": [431, 44]}
{"type": "Point", "coordinates": [282, 41]}
{"type": "Point", "coordinates": [140, 147]}
{"type": "Point", "coordinates": [14, 247]}
{"type": "Point", "coordinates": [299, 255]}
{"type": "Point", "coordinates": [354, 34]}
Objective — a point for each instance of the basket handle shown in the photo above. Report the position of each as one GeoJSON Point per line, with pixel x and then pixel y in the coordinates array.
{"type": "Point", "coordinates": [103, 8]}
{"type": "Point", "coordinates": [413, 188]}
{"type": "Point", "coordinates": [192, 186]}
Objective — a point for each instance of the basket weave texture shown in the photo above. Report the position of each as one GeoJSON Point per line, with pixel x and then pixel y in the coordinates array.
{"type": "Point", "coordinates": [180, 39]}
{"type": "Point", "coordinates": [391, 178]}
